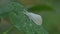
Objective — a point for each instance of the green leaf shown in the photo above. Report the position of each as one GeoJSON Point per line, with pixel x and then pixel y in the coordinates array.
{"type": "Point", "coordinates": [23, 24]}
{"type": "Point", "coordinates": [10, 7]}
{"type": "Point", "coordinates": [15, 11]}
{"type": "Point", "coordinates": [41, 7]}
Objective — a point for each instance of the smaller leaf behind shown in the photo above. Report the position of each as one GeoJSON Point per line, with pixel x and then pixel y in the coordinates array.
{"type": "Point", "coordinates": [41, 7]}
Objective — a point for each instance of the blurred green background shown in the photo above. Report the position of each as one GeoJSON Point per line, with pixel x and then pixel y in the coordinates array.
{"type": "Point", "coordinates": [51, 20]}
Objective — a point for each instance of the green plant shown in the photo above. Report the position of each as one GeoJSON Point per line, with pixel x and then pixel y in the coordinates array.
{"type": "Point", "coordinates": [15, 13]}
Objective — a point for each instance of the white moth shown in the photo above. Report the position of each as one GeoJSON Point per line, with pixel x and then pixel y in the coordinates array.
{"type": "Point", "coordinates": [37, 19]}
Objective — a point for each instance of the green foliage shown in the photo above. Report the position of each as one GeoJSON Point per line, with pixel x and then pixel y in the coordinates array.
{"type": "Point", "coordinates": [25, 25]}
{"type": "Point", "coordinates": [15, 12]}
{"type": "Point", "coordinates": [41, 7]}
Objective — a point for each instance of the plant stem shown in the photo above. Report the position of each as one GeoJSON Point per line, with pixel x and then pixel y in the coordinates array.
{"type": "Point", "coordinates": [12, 27]}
